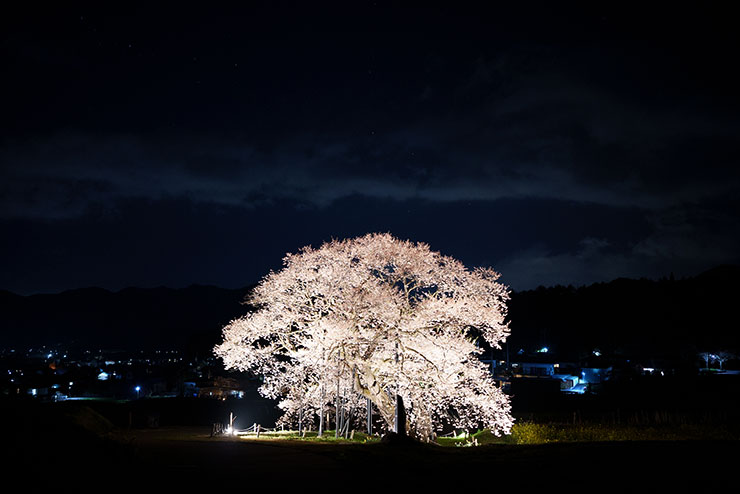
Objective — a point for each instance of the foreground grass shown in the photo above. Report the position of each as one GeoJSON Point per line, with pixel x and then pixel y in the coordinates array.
{"type": "Point", "coordinates": [81, 448]}
{"type": "Point", "coordinates": [534, 433]}
{"type": "Point", "coordinates": [530, 433]}
{"type": "Point", "coordinates": [312, 436]}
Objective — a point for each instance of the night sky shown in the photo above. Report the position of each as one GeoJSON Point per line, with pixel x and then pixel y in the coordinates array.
{"type": "Point", "coordinates": [180, 145]}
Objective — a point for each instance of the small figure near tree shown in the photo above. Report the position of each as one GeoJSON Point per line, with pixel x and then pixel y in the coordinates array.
{"type": "Point", "coordinates": [376, 317]}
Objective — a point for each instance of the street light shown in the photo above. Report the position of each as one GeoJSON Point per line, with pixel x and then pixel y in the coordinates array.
{"type": "Point", "coordinates": [137, 389]}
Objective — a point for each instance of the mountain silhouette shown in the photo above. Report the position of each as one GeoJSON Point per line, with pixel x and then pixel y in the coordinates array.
{"type": "Point", "coordinates": [664, 318]}
{"type": "Point", "coordinates": [658, 318]}
{"type": "Point", "coordinates": [132, 318]}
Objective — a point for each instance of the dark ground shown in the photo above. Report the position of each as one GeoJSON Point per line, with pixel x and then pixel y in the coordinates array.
{"type": "Point", "coordinates": [629, 465]}
{"type": "Point", "coordinates": [79, 448]}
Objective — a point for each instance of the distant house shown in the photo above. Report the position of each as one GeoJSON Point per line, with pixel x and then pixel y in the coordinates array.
{"type": "Point", "coordinates": [567, 381]}
{"type": "Point", "coordinates": [568, 376]}
{"type": "Point", "coordinates": [221, 388]}
{"type": "Point", "coordinates": [537, 369]}
{"type": "Point", "coordinates": [189, 388]}
{"type": "Point", "coordinates": [595, 375]}
{"type": "Point", "coordinates": [577, 389]}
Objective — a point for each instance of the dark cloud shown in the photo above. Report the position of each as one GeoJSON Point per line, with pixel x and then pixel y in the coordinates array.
{"type": "Point", "coordinates": [176, 242]}
{"type": "Point", "coordinates": [564, 147]}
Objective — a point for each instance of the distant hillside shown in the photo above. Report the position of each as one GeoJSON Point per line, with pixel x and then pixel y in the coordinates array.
{"type": "Point", "coordinates": [666, 317]}
{"type": "Point", "coordinates": [663, 317]}
{"type": "Point", "coordinates": [128, 319]}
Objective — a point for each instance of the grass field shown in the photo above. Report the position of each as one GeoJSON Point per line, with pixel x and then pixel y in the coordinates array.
{"type": "Point", "coordinates": [537, 433]}
{"type": "Point", "coordinates": [629, 464]}
{"type": "Point", "coordinates": [82, 449]}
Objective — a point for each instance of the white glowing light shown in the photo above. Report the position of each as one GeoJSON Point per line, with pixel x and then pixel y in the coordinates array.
{"type": "Point", "coordinates": [375, 316]}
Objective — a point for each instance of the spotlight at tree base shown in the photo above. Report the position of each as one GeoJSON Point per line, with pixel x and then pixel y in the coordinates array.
{"type": "Point", "coordinates": [375, 317]}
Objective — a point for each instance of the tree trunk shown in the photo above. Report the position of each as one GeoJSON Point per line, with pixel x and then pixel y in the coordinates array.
{"type": "Point", "coordinates": [399, 421]}
{"type": "Point", "coordinates": [372, 390]}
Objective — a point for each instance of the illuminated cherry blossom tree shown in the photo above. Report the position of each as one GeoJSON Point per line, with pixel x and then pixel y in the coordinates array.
{"type": "Point", "coordinates": [375, 317]}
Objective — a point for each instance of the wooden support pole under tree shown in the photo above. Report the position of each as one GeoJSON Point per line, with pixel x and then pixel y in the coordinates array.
{"type": "Point", "coordinates": [231, 423]}
{"type": "Point", "coordinates": [347, 418]}
{"type": "Point", "coordinates": [336, 418]}
{"type": "Point", "coordinates": [321, 414]}
{"type": "Point", "coordinates": [342, 416]}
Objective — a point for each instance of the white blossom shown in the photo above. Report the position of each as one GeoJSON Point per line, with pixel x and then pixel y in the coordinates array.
{"type": "Point", "coordinates": [375, 316]}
